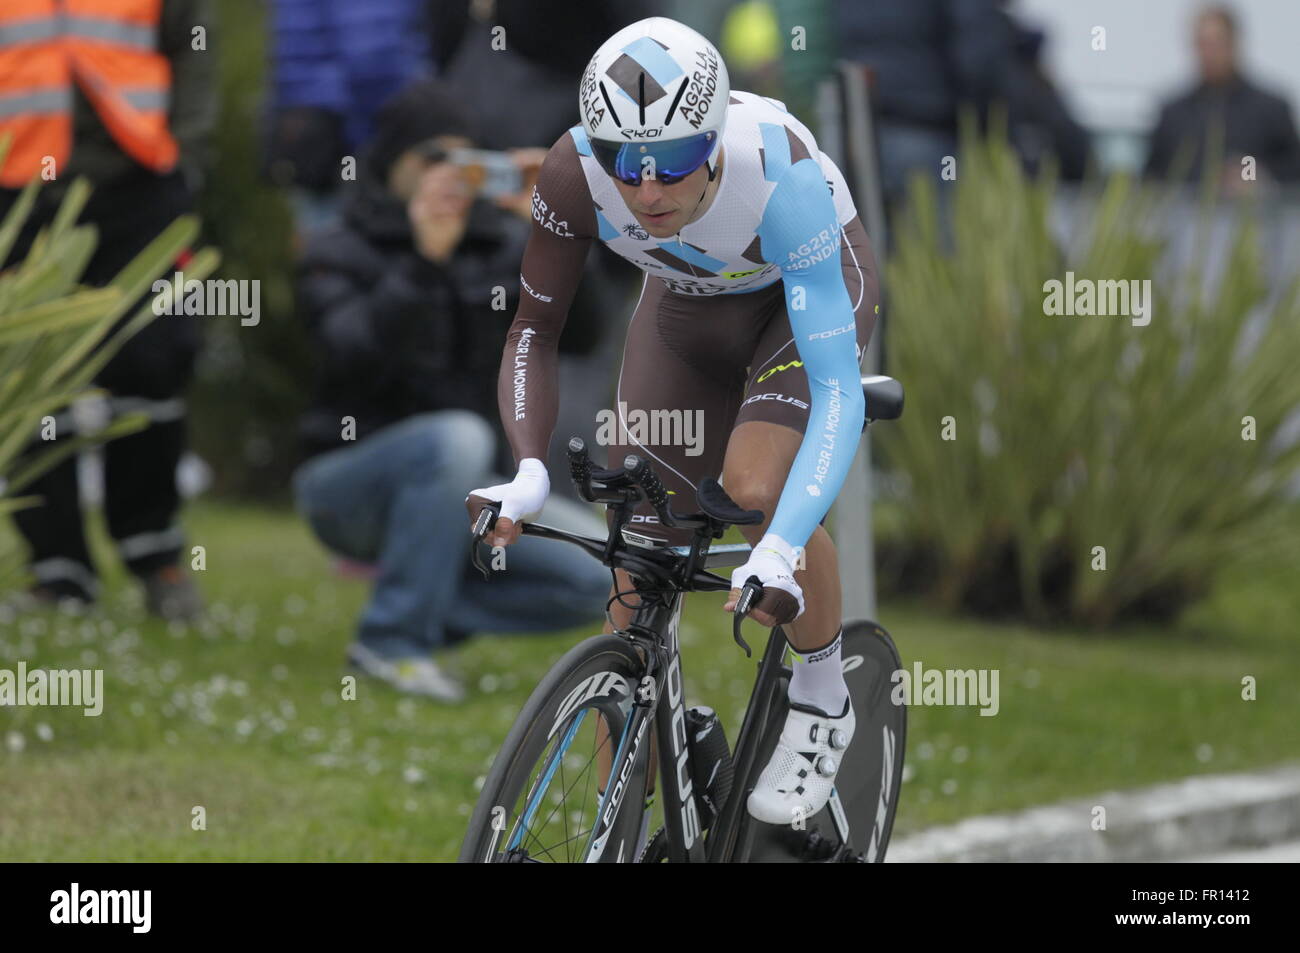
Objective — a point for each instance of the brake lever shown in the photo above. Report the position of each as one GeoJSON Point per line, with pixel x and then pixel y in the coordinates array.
{"type": "Point", "coordinates": [749, 594]}
{"type": "Point", "coordinates": [487, 518]}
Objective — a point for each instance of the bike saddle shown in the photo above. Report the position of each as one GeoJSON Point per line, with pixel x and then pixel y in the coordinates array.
{"type": "Point", "coordinates": [884, 397]}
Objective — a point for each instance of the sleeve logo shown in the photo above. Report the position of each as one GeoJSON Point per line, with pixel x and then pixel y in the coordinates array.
{"type": "Point", "coordinates": [818, 248]}
{"type": "Point", "coordinates": [544, 217]}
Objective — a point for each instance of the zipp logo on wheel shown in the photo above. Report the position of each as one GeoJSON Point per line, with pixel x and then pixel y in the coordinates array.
{"type": "Point", "coordinates": [602, 683]}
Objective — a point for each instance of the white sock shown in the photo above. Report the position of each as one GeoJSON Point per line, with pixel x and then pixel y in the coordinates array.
{"type": "Point", "coordinates": [818, 678]}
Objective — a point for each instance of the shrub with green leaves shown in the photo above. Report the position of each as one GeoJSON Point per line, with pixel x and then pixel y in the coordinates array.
{"type": "Point", "coordinates": [56, 335]}
{"type": "Point", "coordinates": [1083, 441]}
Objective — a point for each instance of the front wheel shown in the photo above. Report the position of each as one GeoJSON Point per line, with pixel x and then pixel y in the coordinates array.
{"type": "Point", "coordinates": [541, 796]}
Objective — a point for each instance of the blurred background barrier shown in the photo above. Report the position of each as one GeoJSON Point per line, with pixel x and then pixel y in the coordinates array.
{"type": "Point", "coordinates": [1199, 233]}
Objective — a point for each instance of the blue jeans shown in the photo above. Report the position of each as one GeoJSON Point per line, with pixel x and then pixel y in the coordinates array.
{"type": "Point", "coordinates": [397, 499]}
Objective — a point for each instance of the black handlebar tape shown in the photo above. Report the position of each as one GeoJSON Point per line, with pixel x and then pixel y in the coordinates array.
{"type": "Point", "coordinates": [580, 466]}
{"type": "Point", "coordinates": [646, 478]}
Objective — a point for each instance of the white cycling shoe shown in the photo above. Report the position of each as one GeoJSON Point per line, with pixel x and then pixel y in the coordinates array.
{"type": "Point", "coordinates": [797, 782]}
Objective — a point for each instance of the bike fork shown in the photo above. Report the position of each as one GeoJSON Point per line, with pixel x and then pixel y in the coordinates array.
{"type": "Point", "coordinates": [623, 775]}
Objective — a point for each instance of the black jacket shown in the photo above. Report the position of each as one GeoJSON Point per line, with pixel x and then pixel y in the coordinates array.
{"type": "Point", "coordinates": [929, 57]}
{"type": "Point", "coordinates": [396, 334]}
{"type": "Point", "coordinates": [1039, 122]}
{"type": "Point", "coordinates": [1254, 122]}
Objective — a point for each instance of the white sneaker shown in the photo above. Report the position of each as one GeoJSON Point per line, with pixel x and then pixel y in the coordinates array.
{"type": "Point", "coordinates": [797, 782]}
{"type": "Point", "coordinates": [416, 675]}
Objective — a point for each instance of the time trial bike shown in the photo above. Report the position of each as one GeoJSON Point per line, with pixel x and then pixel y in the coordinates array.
{"type": "Point", "coordinates": [570, 781]}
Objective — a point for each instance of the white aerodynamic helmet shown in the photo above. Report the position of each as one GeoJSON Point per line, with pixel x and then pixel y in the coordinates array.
{"type": "Point", "coordinates": [654, 90]}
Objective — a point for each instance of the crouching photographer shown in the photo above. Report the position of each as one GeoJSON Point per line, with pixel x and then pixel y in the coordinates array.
{"type": "Point", "coordinates": [408, 301]}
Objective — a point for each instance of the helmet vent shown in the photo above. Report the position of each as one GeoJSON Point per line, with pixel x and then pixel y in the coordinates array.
{"type": "Point", "coordinates": [612, 111]}
{"type": "Point", "coordinates": [672, 110]}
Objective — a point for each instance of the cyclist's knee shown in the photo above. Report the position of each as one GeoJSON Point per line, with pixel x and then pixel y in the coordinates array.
{"type": "Point", "coordinates": [754, 491]}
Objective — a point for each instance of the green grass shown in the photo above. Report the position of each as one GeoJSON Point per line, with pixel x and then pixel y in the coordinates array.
{"type": "Point", "coordinates": [243, 714]}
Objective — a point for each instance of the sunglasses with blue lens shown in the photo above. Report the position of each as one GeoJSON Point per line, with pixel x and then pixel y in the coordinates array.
{"type": "Point", "coordinates": [666, 162]}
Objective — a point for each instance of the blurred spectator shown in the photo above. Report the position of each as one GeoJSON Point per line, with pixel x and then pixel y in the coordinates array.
{"type": "Point", "coordinates": [125, 96]}
{"type": "Point", "coordinates": [402, 299]}
{"type": "Point", "coordinates": [335, 63]}
{"type": "Point", "coordinates": [1038, 123]}
{"type": "Point", "coordinates": [1224, 103]}
{"type": "Point", "coordinates": [928, 58]}
{"type": "Point", "coordinates": [518, 62]}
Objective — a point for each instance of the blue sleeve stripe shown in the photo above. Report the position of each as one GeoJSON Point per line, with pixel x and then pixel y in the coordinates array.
{"type": "Point", "coordinates": [580, 140]}
{"type": "Point", "coordinates": [776, 151]}
{"type": "Point", "coordinates": [607, 230]}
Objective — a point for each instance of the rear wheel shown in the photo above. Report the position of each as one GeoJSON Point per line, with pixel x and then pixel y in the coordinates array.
{"type": "Point", "coordinates": [540, 799]}
{"type": "Point", "coordinates": [871, 780]}
{"type": "Point", "coordinates": [871, 771]}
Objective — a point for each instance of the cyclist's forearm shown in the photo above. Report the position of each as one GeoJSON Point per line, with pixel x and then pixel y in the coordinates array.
{"type": "Point", "coordinates": [802, 232]}
{"type": "Point", "coordinates": [826, 454]}
{"type": "Point", "coordinates": [528, 387]}
{"type": "Point", "coordinates": [825, 335]}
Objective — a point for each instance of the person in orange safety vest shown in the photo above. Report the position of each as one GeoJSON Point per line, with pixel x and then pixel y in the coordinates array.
{"type": "Point", "coordinates": [123, 93]}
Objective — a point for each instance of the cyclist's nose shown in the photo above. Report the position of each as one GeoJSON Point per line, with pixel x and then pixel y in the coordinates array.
{"type": "Point", "coordinates": [651, 191]}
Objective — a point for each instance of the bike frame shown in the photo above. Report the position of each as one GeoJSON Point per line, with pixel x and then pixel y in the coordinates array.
{"type": "Point", "coordinates": [653, 629]}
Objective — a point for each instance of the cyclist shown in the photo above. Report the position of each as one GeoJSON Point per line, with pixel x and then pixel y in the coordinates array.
{"type": "Point", "coordinates": [759, 295]}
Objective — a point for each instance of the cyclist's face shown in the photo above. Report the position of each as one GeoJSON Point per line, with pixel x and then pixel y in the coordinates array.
{"type": "Point", "coordinates": [663, 209]}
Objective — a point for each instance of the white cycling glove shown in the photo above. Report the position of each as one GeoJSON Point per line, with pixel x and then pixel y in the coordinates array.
{"type": "Point", "coordinates": [772, 561]}
{"type": "Point", "coordinates": [523, 497]}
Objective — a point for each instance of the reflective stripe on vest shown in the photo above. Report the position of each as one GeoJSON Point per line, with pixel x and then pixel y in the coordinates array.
{"type": "Point", "coordinates": [28, 31]}
{"type": "Point", "coordinates": [36, 101]}
{"type": "Point", "coordinates": [133, 35]}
